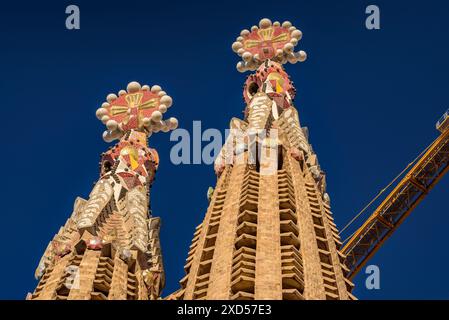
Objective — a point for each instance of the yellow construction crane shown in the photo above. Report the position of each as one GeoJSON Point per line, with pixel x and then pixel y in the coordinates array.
{"type": "Point", "coordinates": [430, 167]}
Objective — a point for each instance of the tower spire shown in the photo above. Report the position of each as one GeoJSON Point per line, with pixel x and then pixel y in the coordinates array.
{"type": "Point", "coordinates": [109, 247]}
{"type": "Point", "coordinates": [268, 232]}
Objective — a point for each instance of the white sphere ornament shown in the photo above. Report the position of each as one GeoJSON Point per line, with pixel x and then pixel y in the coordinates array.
{"type": "Point", "coordinates": [111, 97]}
{"type": "Point", "coordinates": [162, 108]}
{"type": "Point", "coordinates": [247, 56]}
{"type": "Point", "coordinates": [156, 89]}
{"type": "Point", "coordinates": [240, 67]}
{"type": "Point", "coordinates": [173, 123]}
{"type": "Point", "coordinates": [302, 56]}
{"type": "Point", "coordinates": [133, 86]}
{"type": "Point", "coordinates": [297, 34]}
{"type": "Point", "coordinates": [111, 125]}
{"type": "Point", "coordinates": [165, 128]}
{"type": "Point", "coordinates": [104, 119]}
{"type": "Point", "coordinates": [292, 59]}
{"type": "Point", "coordinates": [288, 47]}
{"type": "Point", "coordinates": [236, 46]}
{"type": "Point", "coordinates": [167, 100]}
{"type": "Point", "coordinates": [107, 136]}
{"type": "Point", "coordinates": [121, 92]}
{"type": "Point", "coordinates": [156, 124]}
{"type": "Point", "coordinates": [265, 23]}
{"type": "Point", "coordinates": [156, 127]}
{"type": "Point", "coordinates": [156, 116]}
{"type": "Point", "coordinates": [101, 112]}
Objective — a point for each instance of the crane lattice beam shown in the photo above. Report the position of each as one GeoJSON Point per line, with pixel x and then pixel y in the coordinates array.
{"type": "Point", "coordinates": [387, 217]}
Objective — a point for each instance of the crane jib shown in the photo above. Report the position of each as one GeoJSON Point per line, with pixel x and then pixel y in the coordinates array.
{"type": "Point", "coordinates": [387, 217]}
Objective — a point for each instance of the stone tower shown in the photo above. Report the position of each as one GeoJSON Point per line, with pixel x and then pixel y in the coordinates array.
{"type": "Point", "coordinates": [109, 247]}
{"type": "Point", "coordinates": [268, 232]}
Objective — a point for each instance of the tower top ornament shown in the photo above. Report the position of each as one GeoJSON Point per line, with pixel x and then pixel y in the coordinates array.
{"type": "Point", "coordinates": [136, 108]}
{"type": "Point", "coordinates": [268, 41]}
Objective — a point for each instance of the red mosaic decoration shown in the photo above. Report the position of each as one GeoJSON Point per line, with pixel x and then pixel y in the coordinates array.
{"type": "Point", "coordinates": [131, 180]}
{"type": "Point", "coordinates": [265, 42]}
{"type": "Point", "coordinates": [129, 109]}
{"type": "Point", "coordinates": [139, 108]}
{"type": "Point", "coordinates": [273, 74]}
{"type": "Point", "coordinates": [268, 41]}
{"type": "Point", "coordinates": [131, 160]}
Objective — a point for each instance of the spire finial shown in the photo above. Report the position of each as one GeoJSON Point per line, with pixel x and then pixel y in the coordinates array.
{"type": "Point", "coordinates": [136, 108]}
{"type": "Point", "coordinates": [268, 41]}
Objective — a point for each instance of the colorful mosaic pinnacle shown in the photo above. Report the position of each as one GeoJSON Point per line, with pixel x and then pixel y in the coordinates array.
{"type": "Point", "coordinates": [111, 242]}
{"type": "Point", "coordinates": [268, 232]}
{"type": "Point", "coordinates": [274, 41]}
{"type": "Point", "coordinates": [138, 108]}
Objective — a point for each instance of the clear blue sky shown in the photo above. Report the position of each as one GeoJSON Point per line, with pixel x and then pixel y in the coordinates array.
{"type": "Point", "coordinates": [369, 98]}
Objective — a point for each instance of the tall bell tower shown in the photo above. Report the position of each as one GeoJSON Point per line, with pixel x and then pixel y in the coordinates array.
{"type": "Point", "coordinates": [109, 247]}
{"type": "Point", "coordinates": [268, 232]}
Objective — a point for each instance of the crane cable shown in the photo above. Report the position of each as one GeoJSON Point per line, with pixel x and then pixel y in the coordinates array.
{"type": "Point", "coordinates": [380, 193]}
